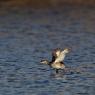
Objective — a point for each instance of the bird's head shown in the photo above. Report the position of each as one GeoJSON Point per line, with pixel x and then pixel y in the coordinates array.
{"type": "Point", "coordinates": [44, 61]}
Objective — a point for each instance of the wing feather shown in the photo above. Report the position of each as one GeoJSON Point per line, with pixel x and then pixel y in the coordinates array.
{"type": "Point", "coordinates": [61, 57]}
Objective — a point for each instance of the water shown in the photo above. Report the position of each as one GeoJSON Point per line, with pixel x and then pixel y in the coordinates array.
{"type": "Point", "coordinates": [28, 36]}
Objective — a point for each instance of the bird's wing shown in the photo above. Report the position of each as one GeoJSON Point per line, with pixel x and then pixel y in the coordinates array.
{"type": "Point", "coordinates": [55, 54]}
{"type": "Point", "coordinates": [61, 57]}
{"type": "Point", "coordinates": [53, 59]}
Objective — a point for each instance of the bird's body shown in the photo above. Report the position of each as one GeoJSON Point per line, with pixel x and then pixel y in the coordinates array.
{"type": "Point", "coordinates": [57, 58]}
{"type": "Point", "coordinates": [58, 65]}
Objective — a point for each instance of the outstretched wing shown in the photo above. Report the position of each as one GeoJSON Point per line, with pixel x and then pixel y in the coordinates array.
{"type": "Point", "coordinates": [61, 57]}
{"type": "Point", "coordinates": [55, 54]}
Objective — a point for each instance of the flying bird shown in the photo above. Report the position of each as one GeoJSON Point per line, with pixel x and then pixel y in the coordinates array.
{"type": "Point", "coordinates": [58, 56]}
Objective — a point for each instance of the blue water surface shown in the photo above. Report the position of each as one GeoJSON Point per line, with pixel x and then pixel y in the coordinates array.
{"type": "Point", "coordinates": [28, 36]}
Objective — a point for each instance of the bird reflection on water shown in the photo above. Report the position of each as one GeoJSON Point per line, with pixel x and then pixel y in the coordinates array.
{"type": "Point", "coordinates": [60, 75]}
{"type": "Point", "coordinates": [64, 74]}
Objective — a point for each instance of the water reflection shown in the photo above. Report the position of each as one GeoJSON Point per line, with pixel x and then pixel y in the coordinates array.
{"type": "Point", "coordinates": [57, 75]}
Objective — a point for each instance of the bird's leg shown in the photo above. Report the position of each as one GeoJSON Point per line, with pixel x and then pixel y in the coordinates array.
{"type": "Point", "coordinates": [57, 70]}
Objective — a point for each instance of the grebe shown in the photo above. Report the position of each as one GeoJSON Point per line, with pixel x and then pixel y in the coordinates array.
{"type": "Point", "coordinates": [57, 58]}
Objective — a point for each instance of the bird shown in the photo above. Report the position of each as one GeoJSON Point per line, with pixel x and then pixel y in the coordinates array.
{"type": "Point", "coordinates": [58, 56]}
{"type": "Point", "coordinates": [55, 54]}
